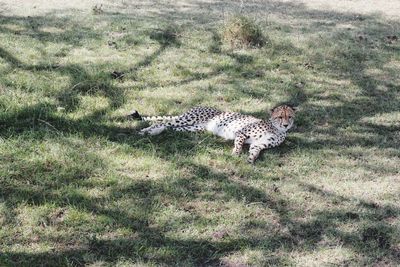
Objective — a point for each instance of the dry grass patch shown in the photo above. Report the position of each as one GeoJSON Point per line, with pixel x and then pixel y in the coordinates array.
{"type": "Point", "coordinates": [242, 32]}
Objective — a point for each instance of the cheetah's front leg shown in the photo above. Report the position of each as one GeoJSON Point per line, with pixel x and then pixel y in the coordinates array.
{"type": "Point", "coordinates": [255, 150]}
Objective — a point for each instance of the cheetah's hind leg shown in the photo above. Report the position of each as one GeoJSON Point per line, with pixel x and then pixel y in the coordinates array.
{"type": "Point", "coordinates": [153, 130]}
{"type": "Point", "coordinates": [189, 128]}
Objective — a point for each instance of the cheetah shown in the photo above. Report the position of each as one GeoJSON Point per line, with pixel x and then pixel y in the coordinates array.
{"type": "Point", "coordinates": [243, 129]}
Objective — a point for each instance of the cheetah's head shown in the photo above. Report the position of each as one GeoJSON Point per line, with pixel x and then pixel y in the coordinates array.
{"type": "Point", "coordinates": [282, 117]}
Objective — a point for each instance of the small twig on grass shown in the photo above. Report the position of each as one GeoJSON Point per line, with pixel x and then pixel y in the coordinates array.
{"type": "Point", "coordinates": [201, 141]}
{"type": "Point", "coordinates": [48, 124]}
{"type": "Point", "coordinates": [254, 203]}
{"type": "Point", "coordinates": [76, 85]}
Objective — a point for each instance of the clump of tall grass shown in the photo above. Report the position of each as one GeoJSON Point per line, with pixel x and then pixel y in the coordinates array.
{"type": "Point", "coordinates": [242, 32]}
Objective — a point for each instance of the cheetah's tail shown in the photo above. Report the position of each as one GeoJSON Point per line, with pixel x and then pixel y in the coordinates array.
{"type": "Point", "coordinates": [159, 118]}
{"type": "Point", "coordinates": [134, 114]}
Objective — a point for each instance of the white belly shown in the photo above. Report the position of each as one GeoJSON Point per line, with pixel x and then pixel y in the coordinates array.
{"type": "Point", "coordinates": [213, 126]}
{"type": "Point", "coordinates": [227, 129]}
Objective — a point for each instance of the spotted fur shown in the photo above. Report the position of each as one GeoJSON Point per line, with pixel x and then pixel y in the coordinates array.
{"type": "Point", "coordinates": [243, 129]}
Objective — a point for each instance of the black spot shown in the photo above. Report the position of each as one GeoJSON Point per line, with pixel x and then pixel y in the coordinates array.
{"type": "Point", "coordinates": [117, 74]}
{"type": "Point", "coordinates": [134, 115]}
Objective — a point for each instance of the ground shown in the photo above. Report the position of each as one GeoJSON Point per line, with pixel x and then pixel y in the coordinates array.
{"type": "Point", "coordinates": [79, 186]}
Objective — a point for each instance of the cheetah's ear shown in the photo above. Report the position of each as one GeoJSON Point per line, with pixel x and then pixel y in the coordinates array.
{"type": "Point", "coordinates": [295, 109]}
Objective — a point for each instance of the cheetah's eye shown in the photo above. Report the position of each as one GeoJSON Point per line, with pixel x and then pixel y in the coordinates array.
{"type": "Point", "coordinates": [280, 117]}
{"type": "Point", "coordinates": [290, 117]}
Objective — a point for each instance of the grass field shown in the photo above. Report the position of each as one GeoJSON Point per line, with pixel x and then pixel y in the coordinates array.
{"type": "Point", "coordinates": [79, 186]}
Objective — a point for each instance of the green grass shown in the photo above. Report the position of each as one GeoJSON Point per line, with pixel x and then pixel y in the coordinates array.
{"type": "Point", "coordinates": [79, 186]}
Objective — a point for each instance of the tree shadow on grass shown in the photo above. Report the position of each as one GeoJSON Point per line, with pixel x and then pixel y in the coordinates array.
{"type": "Point", "coordinates": [152, 243]}
{"type": "Point", "coordinates": [81, 82]}
{"type": "Point", "coordinates": [59, 29]}
{"type": "Point", "coordinates": [373, 240]}
{"type": "Point", "coordinates": [374, 237]}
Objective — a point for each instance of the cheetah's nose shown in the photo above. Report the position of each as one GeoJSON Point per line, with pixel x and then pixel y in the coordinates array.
{"type": "Point", "coordinates": [285, 125]}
